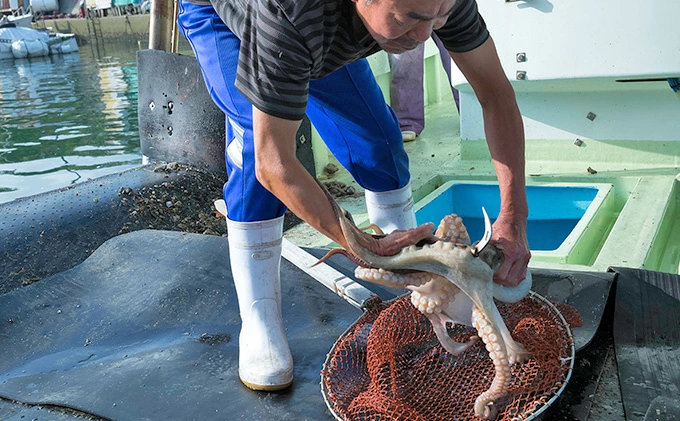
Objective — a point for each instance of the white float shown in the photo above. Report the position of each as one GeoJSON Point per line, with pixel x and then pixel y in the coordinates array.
{"type": "Point", "coordinates": [45, 6]}
{"type": "Point", "coordinates": [18, 42]}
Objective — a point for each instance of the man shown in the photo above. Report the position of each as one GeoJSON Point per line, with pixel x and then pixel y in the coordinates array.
{"type": "Point", "coordinates": [266, 63]}
{"type": "Point", "coordinates": [407, 98]}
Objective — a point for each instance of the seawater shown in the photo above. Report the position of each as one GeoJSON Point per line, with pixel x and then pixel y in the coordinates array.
{"type": "Point", "coordinates": [67, 118]}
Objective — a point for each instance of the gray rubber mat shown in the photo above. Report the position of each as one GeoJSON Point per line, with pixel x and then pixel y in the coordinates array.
{"type": "Point", "coordinates": [647, 340]}
{"type": "Point", "coordinates": [146, 329]}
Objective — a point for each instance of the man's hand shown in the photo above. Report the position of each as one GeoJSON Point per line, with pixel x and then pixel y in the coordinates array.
{"type": "Point", "coordinates": [510, 237]}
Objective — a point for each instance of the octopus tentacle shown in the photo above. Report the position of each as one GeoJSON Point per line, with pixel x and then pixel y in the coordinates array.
{"type": "Point", "coordinates": [434, 296]}
{"type": "Point", "coordinates": [332, 253]}
{"type": "Point", "coordinates": [451, 229]}
{"type": "Point", "coordinates": [376, 229]}
{"type": "Point", "coordinates": [484, 404]}
{"type": "Point", "coordinates": [438, 321]}
{"type": "Point", "coordinates": [392, 279]}
{"type": "Point", "coordinates": [375, 273]}
{"type": "Point", "coordinates": [515, 351]}
{"type": "Point", "coordinates": [442, 302]}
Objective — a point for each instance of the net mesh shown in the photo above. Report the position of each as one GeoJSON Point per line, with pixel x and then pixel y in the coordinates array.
{"type": "Point", "coordinates": [390, 366]}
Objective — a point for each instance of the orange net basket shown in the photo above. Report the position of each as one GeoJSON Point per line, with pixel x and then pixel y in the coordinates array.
{"type": "Point", "coordinates": [389, 365]}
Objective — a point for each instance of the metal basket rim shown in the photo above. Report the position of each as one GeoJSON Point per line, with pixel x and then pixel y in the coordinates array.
{"type": "Point", "coordinates": [532, 294]}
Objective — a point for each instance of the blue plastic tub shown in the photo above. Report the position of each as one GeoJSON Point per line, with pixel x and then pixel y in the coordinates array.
{"type": "Point", "coordinates": [554, 211]}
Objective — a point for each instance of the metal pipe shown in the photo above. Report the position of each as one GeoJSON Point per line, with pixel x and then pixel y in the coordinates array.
{"type": "Point", "coordinates": [351, 291]}
{"type": "Point", "coordinates": [163, 33]}
{"type": "Point", "coordinates": [175, 29]}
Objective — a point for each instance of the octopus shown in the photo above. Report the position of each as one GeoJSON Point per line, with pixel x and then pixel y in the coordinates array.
{"type": "Point", "coordinates": [451, 281]}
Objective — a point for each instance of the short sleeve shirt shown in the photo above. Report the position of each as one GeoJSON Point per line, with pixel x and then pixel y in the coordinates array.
{"type": "Point", "coordinates": [287, 43]}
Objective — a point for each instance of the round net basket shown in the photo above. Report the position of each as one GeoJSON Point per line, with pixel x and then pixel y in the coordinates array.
{"type": "Point", "coordinates": [389, 365]}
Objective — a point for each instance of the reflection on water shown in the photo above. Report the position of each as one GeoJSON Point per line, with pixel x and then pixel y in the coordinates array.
{"type": "Point", "coordinates": [67, 118]}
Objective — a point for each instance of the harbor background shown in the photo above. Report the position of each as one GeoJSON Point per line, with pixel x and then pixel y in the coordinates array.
{"type": "Point", "coordinates": [68, 118]}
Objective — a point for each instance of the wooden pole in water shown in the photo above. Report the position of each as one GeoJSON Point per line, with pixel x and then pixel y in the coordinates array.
{"type": "Point", "coordinates": [163, 31]}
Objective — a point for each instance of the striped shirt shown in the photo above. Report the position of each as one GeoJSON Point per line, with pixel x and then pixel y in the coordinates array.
{"type": "Point", "coordinates": [287, 43]}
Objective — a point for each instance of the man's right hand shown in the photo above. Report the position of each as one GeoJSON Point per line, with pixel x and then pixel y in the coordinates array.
{"type": "Point", "coordinates": [279, 171]}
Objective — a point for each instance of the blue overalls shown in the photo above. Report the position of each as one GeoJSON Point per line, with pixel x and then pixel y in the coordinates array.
{"type": "Point", "coordinates": [347, 108]}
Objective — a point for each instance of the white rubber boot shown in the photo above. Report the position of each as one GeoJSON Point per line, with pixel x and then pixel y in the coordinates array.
{"type": "Point", "coordinates": [265, 362]}
{"type": "Point", "coordinates": [391, 210]}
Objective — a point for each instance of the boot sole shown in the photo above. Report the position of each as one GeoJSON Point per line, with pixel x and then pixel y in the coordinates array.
{"type": "Point", "coordinates": [266, 387]}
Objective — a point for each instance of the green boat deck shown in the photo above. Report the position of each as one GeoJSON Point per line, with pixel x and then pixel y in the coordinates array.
{"type": "Point", "coordinates": [637, 226]}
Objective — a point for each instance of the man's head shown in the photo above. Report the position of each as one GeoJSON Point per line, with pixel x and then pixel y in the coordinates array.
{"type": "Point", "coordinates": [401, 25]}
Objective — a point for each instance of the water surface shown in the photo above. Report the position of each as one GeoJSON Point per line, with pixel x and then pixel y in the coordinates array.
{"type": "Point", "coordinates": [67, 118]}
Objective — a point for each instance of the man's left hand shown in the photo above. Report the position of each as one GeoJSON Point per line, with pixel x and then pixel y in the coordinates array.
{"type": "Point", "coordinates": [510, 237]}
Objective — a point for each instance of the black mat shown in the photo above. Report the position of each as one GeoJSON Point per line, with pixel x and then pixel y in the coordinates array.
{"type": "Point", "coordinates": [647, 339]}
{"type": "Point", "coordinates": [577, 399]}
{"type": "Point", "coordinates": [15, 411]}
{"type": "Point", "coordinates": [588, 292]}
{"type": "Point", "coordinates": [146, 328]}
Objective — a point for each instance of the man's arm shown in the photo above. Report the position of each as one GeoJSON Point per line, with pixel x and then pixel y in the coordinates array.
{"type": "Point", "coordinates": [505, 137]}
{"type": "Point", "coordinates": [279, 171]}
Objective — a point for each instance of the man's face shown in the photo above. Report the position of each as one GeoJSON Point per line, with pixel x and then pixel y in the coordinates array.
{"type": "Point", "coordinates": [401, 25]}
